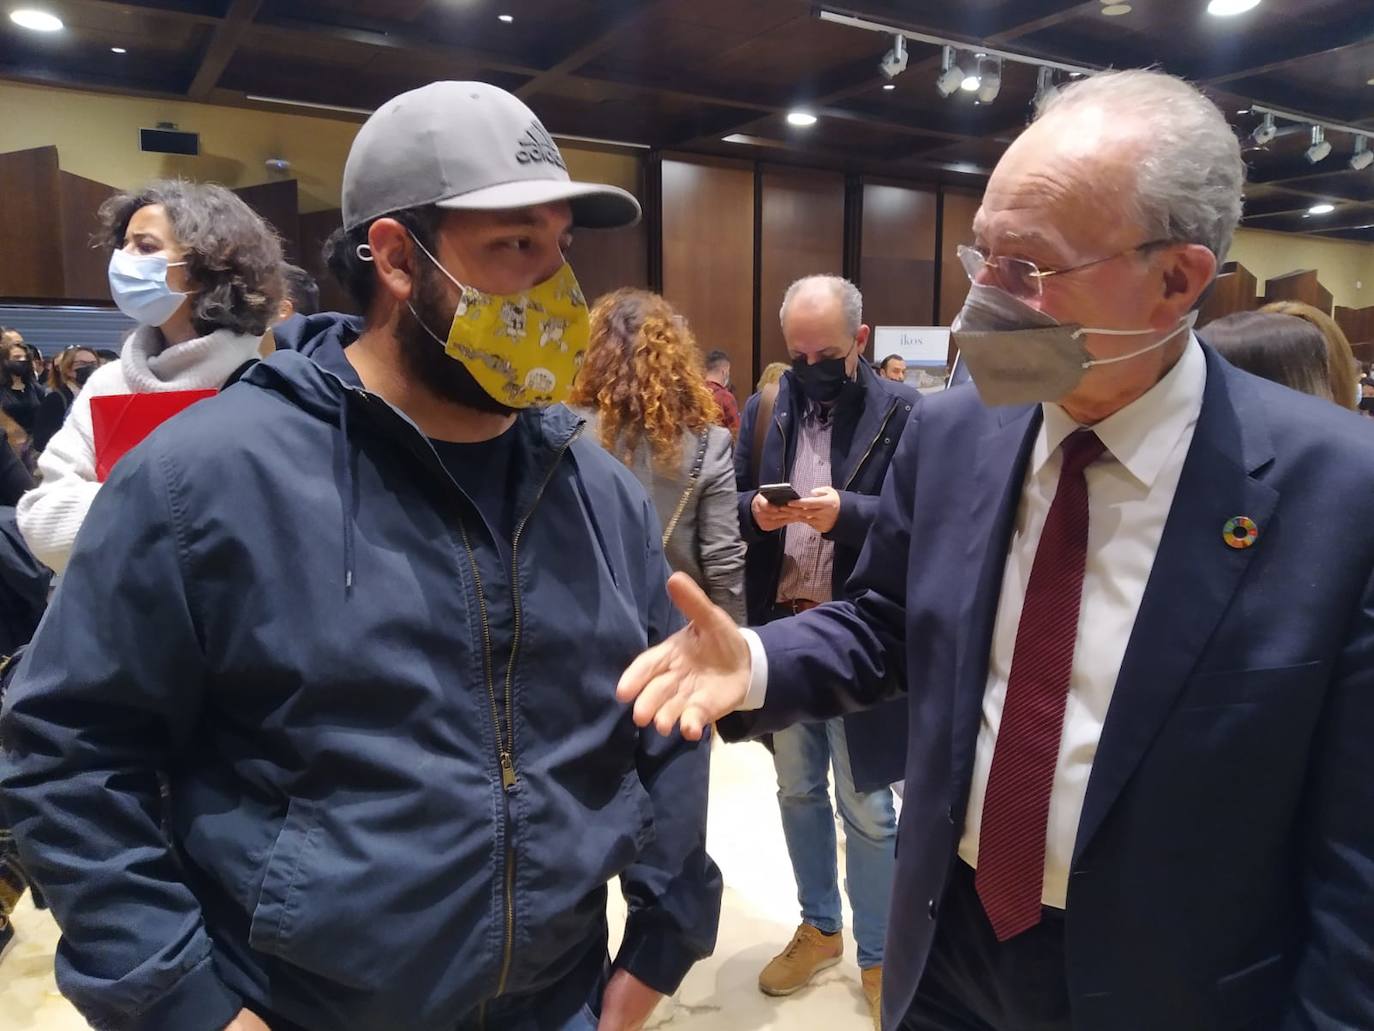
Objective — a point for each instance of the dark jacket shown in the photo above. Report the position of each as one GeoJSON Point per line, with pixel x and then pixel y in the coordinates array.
{"type": "Point", "coordinates": [1223, 871]}
{"type": "Point", "coordinates": [22, 405]}
{"type": "Point", "coordinates": [24, 583]}
{"type": "Point", "coordinates": [14, 475]}
{"type": "Point", "coordinates": [869, 419]}
{"type": "Point", "coordinates": [52, 413]}
{"type": "Point", "coordinates": [307, 617]}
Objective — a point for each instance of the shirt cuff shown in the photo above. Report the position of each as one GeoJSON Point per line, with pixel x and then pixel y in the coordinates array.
{"type": "Point", "coordinates": [758, 673]}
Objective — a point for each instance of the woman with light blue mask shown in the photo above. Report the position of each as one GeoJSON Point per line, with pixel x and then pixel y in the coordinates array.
{"type": "Point", "coordinates": [201, 274]}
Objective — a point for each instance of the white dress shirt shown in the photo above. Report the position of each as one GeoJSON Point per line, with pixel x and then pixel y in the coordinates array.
{"type": "Point", "coordinates": [1130, 491]}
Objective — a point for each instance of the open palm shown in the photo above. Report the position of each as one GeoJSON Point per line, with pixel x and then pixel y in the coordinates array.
{"type": "Point", "coordinates": [696, 676]}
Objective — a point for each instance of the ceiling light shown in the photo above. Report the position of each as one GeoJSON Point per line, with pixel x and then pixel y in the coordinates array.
{"type": "Point", "coordinates": [1265, 131]}
{"type": "Point", "coordinates": [889, 85]}
{"type": "Point", "coordinates": [1044, 86]}
{"type": "Point", "coordinates": [951, 75]}
{"type": "Point", "coordinates": [989, 80]}
{"type": "Point", "coordinates": [1321, 209]}
{"type": "Point", "coordinates": [970, 83]}
{"type": "Point", "coordinates": [1227, 8]}
{"type": "Point", "coordinates": [37, 21]}
{"type": "Point", "coordinates": [894, 61]}
{"type": "Point", "coordinates": [507, 18]}
{"type": "Point", "coordinates": [1116, 10]}
{"type": "Point", "coordinates": [1320, 148]}
{"type": "Point", "coordinates": [1363, 156]}
{"type": "Point", "coordinates": [801, 119]}
{"type": "Point", "coordinates": [118, 50]}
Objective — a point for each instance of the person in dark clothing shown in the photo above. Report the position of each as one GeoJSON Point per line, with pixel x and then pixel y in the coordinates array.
{"type": "Point", "coordinates": [14, 476]}
{"type": "Point", "coordinates": [70, 371]}
{"type": "Point", "coordinates": [399, 777]}
{"type": "Point", "coordinates": [302, 292]}
{"type": "Point", "coordinates": [718, 379]}
{"type": "Point", "coordinates": [833, 429]}
{"type": "Point", "coordinates": [19, 391]}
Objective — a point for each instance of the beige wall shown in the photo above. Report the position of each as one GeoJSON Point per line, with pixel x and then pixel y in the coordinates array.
{"type": "Point", "coordinates": [96, 136]}
{"type": "Point", "coordinates": [1344, 267]}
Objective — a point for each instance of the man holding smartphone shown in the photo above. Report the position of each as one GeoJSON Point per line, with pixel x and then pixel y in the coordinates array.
{"type": "Point", "coordinates": [829, 436]}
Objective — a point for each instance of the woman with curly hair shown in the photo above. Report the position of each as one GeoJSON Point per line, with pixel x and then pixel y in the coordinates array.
{"type": "Point", "coordinates": [643, 390]}
{"type": "Point", "coordinates": [201, 275]}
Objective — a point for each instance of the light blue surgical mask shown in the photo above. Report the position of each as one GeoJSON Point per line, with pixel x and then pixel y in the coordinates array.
{"type": "Point", "coordinates": [138, 284]}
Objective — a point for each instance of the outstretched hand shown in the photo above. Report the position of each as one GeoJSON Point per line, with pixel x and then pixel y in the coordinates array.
{"type": "Point", "coordinates": [696, 676]}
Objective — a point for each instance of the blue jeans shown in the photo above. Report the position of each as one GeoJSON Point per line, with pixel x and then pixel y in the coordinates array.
{"type": "Point", "coordinates": [803, 756]}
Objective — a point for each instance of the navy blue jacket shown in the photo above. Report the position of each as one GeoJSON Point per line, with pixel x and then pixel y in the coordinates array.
{"type": "Point", "coordinates": [299, 626]}
{"type": "Point", "coordinates": [869, 419]}
{"type": "Point", "coordinates": [1223, 873]}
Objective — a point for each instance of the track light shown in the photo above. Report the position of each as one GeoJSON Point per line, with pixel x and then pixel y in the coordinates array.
{"type": "Point", "coordinates": [989, 79]}
{"type": "Point", "coordinates": [951, 75]}
{"type": "Point", "coordinates": [1363, 156]}
{"type": "Point", "coordinates": [1265, 132]}
{"type": "Point", "coordinates": [894, 61]}
{"type": "Point", "coordinates": [1320, 148]}
{"type": "Point", "coordinates": [1045, 89]}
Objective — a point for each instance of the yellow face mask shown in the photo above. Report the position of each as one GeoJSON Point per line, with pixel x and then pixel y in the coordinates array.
{"type": "Point", "coordinates": [523, 349]}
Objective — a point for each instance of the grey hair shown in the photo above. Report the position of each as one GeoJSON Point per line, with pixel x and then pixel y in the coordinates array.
{"type": "Point", "coordinates": [1190, 178]}
{"type": "Point", "coordinates": [851, 301]}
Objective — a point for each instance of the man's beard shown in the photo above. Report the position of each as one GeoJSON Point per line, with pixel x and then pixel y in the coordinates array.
{"type": "Point", "coordinates": [424, 359]}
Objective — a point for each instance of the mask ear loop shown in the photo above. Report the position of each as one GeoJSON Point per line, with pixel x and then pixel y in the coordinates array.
{"type": "Point", "coordinates": [1184, 326]}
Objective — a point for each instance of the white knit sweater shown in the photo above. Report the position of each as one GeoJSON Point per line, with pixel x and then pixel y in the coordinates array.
{"type": "Point", "coordinates": [51, 514]}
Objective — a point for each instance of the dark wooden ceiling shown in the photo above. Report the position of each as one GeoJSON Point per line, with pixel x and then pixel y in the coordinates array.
{"type": "Point", "coordinates": [683, 74]}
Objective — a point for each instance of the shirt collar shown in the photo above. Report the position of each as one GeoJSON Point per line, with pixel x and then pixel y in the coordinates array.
{"type": "Point", "coordinates": [1142, 435]}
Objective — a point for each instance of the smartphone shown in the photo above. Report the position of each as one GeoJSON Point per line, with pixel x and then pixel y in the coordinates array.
{"type": "Point", "coordinates": [779, 493]}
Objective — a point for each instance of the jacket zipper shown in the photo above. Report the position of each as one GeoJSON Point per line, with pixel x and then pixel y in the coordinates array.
{"type": "Point", "coordinates": [881, 430]}
{"type": "Point", "coordinates": [505, 735]}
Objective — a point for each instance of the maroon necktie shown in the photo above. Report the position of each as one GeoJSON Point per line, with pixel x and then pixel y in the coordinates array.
{"type": "Point", "coordinates": [1011, 842]}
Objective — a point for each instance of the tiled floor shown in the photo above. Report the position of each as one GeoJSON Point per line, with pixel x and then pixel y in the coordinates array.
{"type": "Point", "coordinates": [720, 994]}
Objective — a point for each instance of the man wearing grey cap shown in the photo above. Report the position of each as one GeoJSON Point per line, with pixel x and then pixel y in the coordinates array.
{"type": "Point", "coordinates": [367, 609]}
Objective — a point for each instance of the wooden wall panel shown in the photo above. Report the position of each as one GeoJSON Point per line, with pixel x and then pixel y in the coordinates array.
{"type": "Point", "coordinates": [315, 228]}
{"type": "Point", "coordinates": [607, 259]}
{"type": "Point", "coordinates": [708, 255]}
{"type": "Point", "coordinates": [1298, 286]}
{"type": "Point", "coordinates": [957, 228]}
{"type": "Point", "coordinates": [278, 205]}
{"type": "Point", "coordinates": [1234, 291]}
{"type": "Point", "coordinates": [1358, 324]}
{"type": "Point", "coordinates": [30, 231]}
{"type": "Point", "coordinates": [803, 234]}
{"type": "Point", "coordinates": [84, 266]}
{"type": "Point", "coordinates": [897, 256]}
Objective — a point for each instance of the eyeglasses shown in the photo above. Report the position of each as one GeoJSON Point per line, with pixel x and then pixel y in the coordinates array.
{"type": "Point", "coordinates": [1025, 279]}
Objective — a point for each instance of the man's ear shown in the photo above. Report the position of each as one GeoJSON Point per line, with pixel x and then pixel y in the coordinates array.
{"type": "Point", "coordinates": [393, 257]}
{"type": "Point", "coordinates": [861, 339]}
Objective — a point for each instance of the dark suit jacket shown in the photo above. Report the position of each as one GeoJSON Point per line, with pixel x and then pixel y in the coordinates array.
{"type": "Point", "coordinates": [1223, 872]}
{"type": "Point", "coordinates": [869, 419]}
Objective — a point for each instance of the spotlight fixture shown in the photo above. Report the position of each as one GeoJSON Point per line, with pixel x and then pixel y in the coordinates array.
{"type": "Point", "coordinates": [1321, 209]}
{"type": "Point", "coordinates": [989, 79]}
{"type": "Point", "coordinates": [951, 75]}
{"type": "Point", "coordinates": [1228, 8]}
{"type": "Point", "coordinates": [894, 61]}
{"type": "Point", "coordinates": [35, 20]}
{"type": "Point", "coordinates": [1363, 156]}
{"type": "Point", "coordinates": [1045, 88]}
{"type": "Point", "coordinates": [1320, 148]}
{"type": "Point", "coordinates": [1265, 132]}
{"type": "Point", "coordinates": [801, 119]}
{"type": "Point", "coordinates": [971, 83]}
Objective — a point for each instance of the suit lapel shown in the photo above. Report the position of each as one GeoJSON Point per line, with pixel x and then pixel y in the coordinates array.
{"type": "Point", "coordinates": [993, 498]}
{"type": "Point", "coordinates": [1191, 583]}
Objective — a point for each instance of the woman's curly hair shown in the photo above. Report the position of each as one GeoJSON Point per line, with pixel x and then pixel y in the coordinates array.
{"type": "Point", "coordinates": [644, 377]}
{"type": "Point", "coordinates": [233, 257]}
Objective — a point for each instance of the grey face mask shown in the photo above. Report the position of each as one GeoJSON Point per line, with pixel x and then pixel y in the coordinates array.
{"type": "Point", "coordinates": [1019, 355]}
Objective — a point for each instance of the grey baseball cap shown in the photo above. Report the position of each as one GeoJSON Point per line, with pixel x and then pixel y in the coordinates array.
{"type": "Point", "coordinates": [467, 145]}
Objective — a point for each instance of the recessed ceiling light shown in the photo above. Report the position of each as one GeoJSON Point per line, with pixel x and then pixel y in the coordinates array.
{"type": "Point", "coordinates": [970, 83]}
{"type": "Point", "coordinates": [1116, 10]}
{"type": "Point", "coordinates": [1227, 8]}
{"type": "Point", "coordinates": [1321, 209]}
{"type": "Point", "coordinates": [801, 119]}
{"type": "Point", "coordinates": [118, 50]}
{"type": "Point", "coordinates": [507, 18]}
{"type": "Point", "coordinates": [38, 21]}
{"type": "Point", "coordinates": [889, 85]}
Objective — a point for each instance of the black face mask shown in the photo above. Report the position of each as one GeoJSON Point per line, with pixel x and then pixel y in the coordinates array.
{"type": "Point", "coordinates": [81, 375]}
{"type": "Point", "coordinates": [822, 382]}
{"type": "Point", "coordinates": [22, 369]}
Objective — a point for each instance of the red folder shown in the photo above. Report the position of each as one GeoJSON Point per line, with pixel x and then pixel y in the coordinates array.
{"type": "Point", "coordinates": [121, 421]}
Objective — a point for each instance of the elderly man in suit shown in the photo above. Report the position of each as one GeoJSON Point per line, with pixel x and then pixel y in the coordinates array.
{"type": "Point", "coordinates": [1128, 590]}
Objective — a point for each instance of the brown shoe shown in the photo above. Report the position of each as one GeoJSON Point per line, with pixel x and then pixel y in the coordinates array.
{"type": "Point", "coordinates": [808, 953]}
{"type": "Point", "coordinates": [873, 992]}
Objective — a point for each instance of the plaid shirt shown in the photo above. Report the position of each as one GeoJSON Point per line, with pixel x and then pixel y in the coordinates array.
{"type": "Point", "coordinates": [808, 562]}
